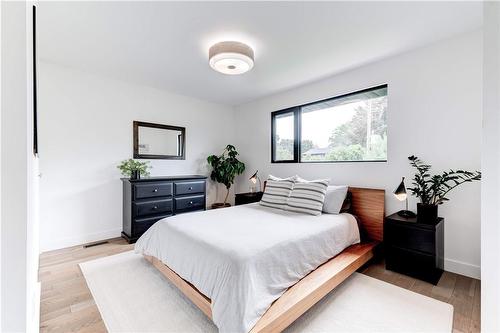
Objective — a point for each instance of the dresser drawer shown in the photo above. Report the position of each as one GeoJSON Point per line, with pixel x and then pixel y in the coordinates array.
{"type": "Point", "coordinates": [152, 207]}
{"type": "Point", "coordinates": [152, 190]}
{"type": "Point", "coordinates": [189, 187]}
{"type": "Point", "coordinates": [195, 202]}
{"type": "Point", "coordinates": [410, 238]}
{"type": "Point", "coordinates": [140, 226]}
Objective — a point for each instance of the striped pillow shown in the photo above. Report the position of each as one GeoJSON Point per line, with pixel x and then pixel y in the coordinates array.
{"type": "Point", "coordinates": [308, 197]}
{"type": "Point", "coordinates": [276, 193]}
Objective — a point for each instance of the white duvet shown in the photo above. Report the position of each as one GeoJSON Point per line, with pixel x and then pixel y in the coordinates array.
{"type": "Point", "coordinates": [245, 257]}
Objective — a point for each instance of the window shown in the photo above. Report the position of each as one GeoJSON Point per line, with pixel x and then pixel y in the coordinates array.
{"type": "Point", "coordinates": [284, 144]}
{"type": "Point", "coordinates": [346, 128]}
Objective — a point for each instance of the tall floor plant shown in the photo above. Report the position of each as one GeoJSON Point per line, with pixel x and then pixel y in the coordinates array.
{"type": "Point", "coordinates": [225, 168]}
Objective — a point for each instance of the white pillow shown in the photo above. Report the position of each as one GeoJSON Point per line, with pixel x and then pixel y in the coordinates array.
{"type": "Point", "coordinates": [292, 178]}
{"type": "Point", "coordinates": [308, 197]}
{"type": "Point", "coordinates": [334, 198]}
{"type": "Point", "coordinates": [298, 179]}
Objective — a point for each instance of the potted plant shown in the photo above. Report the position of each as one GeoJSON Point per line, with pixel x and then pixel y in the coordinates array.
{"type": "Point", "coordinates": [225, 168]}
{"type": "Point", "coordinates": [134, 169]}
{"type": "Point", "coordinates": [432, 189]}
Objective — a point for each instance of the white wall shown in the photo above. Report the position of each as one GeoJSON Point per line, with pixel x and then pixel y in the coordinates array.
{"type": "Point", "coordinates": [85, 130]}
{"type": "Point", "coordinates": [434, 112]}
{"type": "Point", "coordinates": [490, 196]}
{"type": "Point", "coordinates": [19, 252]}
{"type": "Point", "coordinates": [435, 101]}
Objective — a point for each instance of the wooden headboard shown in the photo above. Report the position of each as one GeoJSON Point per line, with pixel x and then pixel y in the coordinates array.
{"type": "Point", "coordinates": [369, 206]}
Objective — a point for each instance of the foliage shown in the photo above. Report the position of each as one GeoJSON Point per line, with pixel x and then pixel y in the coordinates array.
{"type": "Point", "coordinates": [307, 145]}
{"type": "Point", "coordinates": [226, 167]}
{"type": "Point", "coordinates": [355, 131]}
{"type": "Point", "coordinates": [378, 149]}
{"type": "Point", "coordinates": [346, 153]}
{"type": "Point", "coordinates": [432, 189]}
{"type": "Point", "coordinates": [284, 149]}
{"type": "Point", "coordinates": [128, 166]}
{"type": "Point", "coordinates": [351, 140]}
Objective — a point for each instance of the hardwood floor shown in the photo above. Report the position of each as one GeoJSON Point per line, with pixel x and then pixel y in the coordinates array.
{"type": "Point", "coordinates": [67, 304]}
{"type": "Point", "coordinates": [462, 292]}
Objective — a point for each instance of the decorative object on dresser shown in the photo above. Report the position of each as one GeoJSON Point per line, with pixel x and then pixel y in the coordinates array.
{"type": "Point", "coordinates": [432, 189]}
{"type": "Point", "coordinates": [401, 195]}
{"type": "Point", "coordinates": [414, 248]}
{"type": "Point", "coordinates": [145, 201]}
{"type": "Point", "coordinates": [246, 198]}
{"type": "Point", "coordinates": [158, 141]}
{"type": "Point", "coordinates": [225, 168]}
{"type": "Point", "coordinates": [134, 169]}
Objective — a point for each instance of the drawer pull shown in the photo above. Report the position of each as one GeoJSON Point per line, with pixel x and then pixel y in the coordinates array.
{"type": "Point", "coordinates": [190, 188]}
{"type": "Point", "coordinates": [155, 207]}
{"type": "Point", "coordinates": [190, 202]}
{"type": "Point", "coordinates": [155, 190]}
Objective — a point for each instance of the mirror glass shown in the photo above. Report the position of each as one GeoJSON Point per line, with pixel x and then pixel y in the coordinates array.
{"type": "Point", "coordinates": [158, 141]}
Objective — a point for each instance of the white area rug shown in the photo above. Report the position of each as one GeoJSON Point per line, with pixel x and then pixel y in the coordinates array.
{"type": "Point", "coordinates": [133, 296]}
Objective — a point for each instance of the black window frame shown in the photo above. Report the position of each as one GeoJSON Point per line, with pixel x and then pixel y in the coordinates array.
{"type": "Point", "coordinates": [296, 110]}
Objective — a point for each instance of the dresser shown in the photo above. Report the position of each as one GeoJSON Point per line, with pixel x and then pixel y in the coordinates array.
{"type": "Point", "coordinates": [413, 248]}
{"type": "Point", "coordinates": [145, 201]}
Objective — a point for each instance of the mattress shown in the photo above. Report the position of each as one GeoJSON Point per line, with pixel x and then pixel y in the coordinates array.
{"type": "Point", "coordinates": [245, 257]}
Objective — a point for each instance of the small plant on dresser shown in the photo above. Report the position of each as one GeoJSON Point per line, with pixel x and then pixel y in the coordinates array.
{"type": "Point", "coordinates": [134, 169]}
{"type": "Point", "coordinates": [433, 189]}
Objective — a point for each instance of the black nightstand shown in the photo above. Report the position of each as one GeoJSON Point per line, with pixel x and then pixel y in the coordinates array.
{"type": "Point", "coordinates": [415, 249]}
{"type": "Point", "coordinates": [246, 198]}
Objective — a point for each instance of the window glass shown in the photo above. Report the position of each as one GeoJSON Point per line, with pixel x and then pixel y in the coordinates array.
{"type": "Point", "coordinates": [353, 128]}
{"type": "Point", "coordinates": [284, 137]}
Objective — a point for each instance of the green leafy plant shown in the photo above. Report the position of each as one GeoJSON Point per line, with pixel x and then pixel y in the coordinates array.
{"type": "Point", "coordinates": [127, 167]}
{"type": "Point", "coordinates": [432, 189]}
{"type": "Point", "coordinates": [226, 167]}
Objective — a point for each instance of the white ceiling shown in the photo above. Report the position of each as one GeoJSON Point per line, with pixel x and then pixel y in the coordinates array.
{"type": "Point", "coordinates": [165, 44]}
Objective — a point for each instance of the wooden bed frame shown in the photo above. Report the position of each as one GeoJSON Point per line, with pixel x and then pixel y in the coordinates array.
{"type": "Point", "coordinates": [368, 206]}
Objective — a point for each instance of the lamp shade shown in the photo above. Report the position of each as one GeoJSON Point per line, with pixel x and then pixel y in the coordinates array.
{"type": "Point", "coordinates": [253, 179]}
{"type": "Point", "coordinates": [400, 192]}
{"type": "Point", "coordinates": [231, 57]}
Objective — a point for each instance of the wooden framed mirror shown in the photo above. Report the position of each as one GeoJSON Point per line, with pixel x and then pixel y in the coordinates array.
{"type": "Point", "coordinates": [158, 141]}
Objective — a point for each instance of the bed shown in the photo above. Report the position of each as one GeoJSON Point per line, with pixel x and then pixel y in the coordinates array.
{"type": "Point", "coordinates": [252, 268]}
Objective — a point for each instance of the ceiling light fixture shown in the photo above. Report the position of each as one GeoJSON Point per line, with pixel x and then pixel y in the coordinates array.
{"type": "Point", "coordinates": [231, 57]}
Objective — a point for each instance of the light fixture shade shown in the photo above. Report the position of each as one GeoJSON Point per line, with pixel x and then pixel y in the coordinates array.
{"type": "Point", "coordinates": [253, 179]}
{"type": "Point", "coordinates": [400, 192]}
{"type": "Point", "coordinates": [231, 58]}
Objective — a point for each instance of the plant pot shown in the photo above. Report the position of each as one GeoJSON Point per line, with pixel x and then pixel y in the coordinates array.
{"type": "Point", "coordinates": [136, 174]}
{"type": "Point", "coordinates": [220, 205]}
{"type": "Point", "coordinates": [427, 213]}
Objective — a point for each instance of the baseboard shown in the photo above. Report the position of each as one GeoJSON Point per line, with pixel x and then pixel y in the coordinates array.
{"type": "Point", "coordinates": [83, 239]}
{"type": "Point", "coordinates": [462, 268]}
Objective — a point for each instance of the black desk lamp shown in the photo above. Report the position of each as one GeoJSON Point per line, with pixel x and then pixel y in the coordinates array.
{"type": "Point", "coordinates": [254, 179]}
{"type": "Point", "coordinates": [400, 194]}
